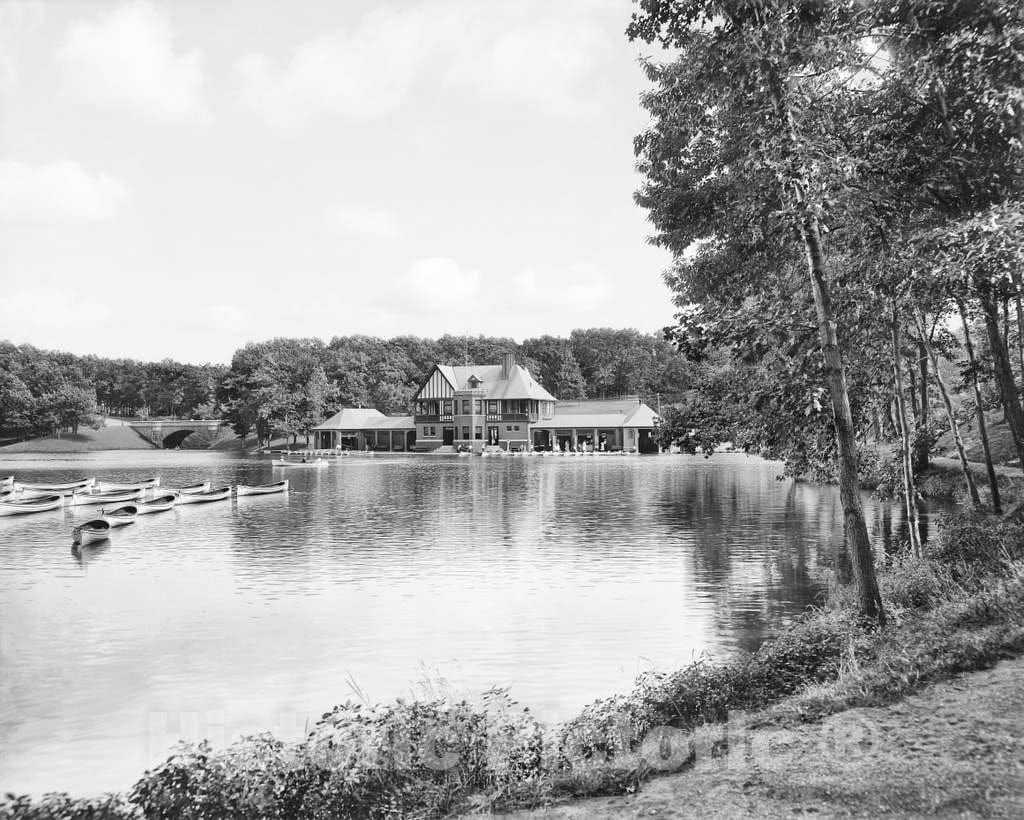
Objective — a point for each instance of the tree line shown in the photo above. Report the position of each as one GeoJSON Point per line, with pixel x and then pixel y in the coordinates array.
{"type": "Point", "coordinates": [840, 186]}
{"type": "Point", "coordinates": [288, 386]}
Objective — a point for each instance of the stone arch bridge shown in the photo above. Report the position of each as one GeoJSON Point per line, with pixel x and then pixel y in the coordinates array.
{"type": "Point", "coordinates": [171, 433]}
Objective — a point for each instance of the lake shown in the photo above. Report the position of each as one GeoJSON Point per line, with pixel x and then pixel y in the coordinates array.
{"type": "Point", "coordinates": [385, 576]}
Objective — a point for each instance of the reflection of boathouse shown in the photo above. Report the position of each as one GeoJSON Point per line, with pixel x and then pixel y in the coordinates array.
{"type": "Point", "coordinates": [473, 406]}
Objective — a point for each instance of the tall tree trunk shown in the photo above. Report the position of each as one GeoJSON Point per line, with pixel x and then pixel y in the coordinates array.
{"type": "Point", "coordinates": [909, 493]}
{"type": "Point", "coordinates": [922, 445]}
{"type": "Point", "coordinates": [861, 555]}
{"type": "Point", "coordinates": [1003, 373]}
{"type": "Point", "coordinates": [993, 483]}
{"type": "Point", "coordinates": [954, 428]}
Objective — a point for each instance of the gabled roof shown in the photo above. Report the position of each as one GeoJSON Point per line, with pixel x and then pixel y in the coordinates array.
{"type": "Point", "coordinates": [351, 418]}
{"type": "Point", "coordinates": [519, 384]}
{"type": "Point", "coordinates": [622, 412]}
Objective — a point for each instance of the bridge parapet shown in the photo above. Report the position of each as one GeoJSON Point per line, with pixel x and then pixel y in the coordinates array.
{"type": "Point", "coordinates": [170, 433]}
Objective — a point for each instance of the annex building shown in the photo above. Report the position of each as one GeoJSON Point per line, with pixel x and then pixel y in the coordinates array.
{"type": "Point", "coordinates": [470, 407]}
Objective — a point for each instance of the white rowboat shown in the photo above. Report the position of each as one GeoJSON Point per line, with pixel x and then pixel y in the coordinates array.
{"type": "Point", "coordinates": [141, 484]}
{"type": "Point", "coordinates": [265, 489]}
{"type": "Point", "coordinates": [67, 488]}
{"type": "Point", "coordinates": [80, 499]}
{"type": "Point", "coordinates": [98, 529]}
{"type": "Point", "coordinates": [222, 494]}
{"type": "Point", "coordinates": [30, 505]}
{"type": "Point", "coordinates": [191, 489]}
{"type": "Point", "coordinates": [319, 462]}
{"type": "Point", "coordinates": [161, 503]}
{"type": "Point", "coordinates": [120, 516]}
{"type": "Point", "coordinates": [7, 482]}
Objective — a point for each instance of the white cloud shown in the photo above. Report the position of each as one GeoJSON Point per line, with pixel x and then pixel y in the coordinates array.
{"type": "Point", "coordinates": [543, 64]}
{"type": "Point", "coordinates": [361, 73]}
{"type": "Point", "coordinates": [128, 59]}
{"type": "Point", "coordinates": [57, 192]}
{"type": "Point", "coordinates": [579, 288]}
{"type": "Point", "coordinates": [364, 222]}
{"type": "Point", "coordinates": [32, 314]}
{"type": "Point", "coordinates": [534, 53]}
{"type": "Point", "coordinates": [18, 20]}
{"type": "Point", "coordinates": [439, 283]}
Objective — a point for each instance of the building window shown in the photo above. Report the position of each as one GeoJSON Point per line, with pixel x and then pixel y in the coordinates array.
{"type": "Point", "coordinates": [508, 428]}
{"type": "Point", "coordinates": [478, 433]}
{"type": "Point", "coordinates": [517, 428]}
{"type": "Point", "coordinates": [492, 407]}
{"type": "Point", "coordinates": [476, 405]}
{"type": "Point", "coordinates": [447, 407]}
{"type": "Point", "coordinates": [465, 408]}
{"type": "Point", "coordinates": [465, 433]}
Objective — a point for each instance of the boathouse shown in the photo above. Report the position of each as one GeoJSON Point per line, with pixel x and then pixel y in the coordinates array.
{"type": "Point", "coordinates": [470, 407]}
{"type": "Point", "coordinates": [365, 429]}
{"type": "Point", "coordinates": [473, 406]}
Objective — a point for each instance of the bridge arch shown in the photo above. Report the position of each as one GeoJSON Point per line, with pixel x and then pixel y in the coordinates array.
{"type": "Point", "coordinates": [174, 440]}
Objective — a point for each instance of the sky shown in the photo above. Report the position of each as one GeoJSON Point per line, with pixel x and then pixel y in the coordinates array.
{"type": "Point", "coordinates": [180, 178]}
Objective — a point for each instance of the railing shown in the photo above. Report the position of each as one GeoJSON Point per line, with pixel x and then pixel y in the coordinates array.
{"type": "Point", "coordinates": [432, 419]}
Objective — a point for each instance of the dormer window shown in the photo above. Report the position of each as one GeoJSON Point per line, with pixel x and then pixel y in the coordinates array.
{"type": "Point", "coordinates": [474, 382]}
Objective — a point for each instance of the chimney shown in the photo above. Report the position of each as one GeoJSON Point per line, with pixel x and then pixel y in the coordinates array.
{"type": "Point", "coordinates": [508, 361]}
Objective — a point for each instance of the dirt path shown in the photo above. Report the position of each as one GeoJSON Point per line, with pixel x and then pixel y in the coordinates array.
{"type": "Point", "coordinates": [956, 750]}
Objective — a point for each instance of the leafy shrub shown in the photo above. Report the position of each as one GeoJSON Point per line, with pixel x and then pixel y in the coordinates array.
{"type": "Point", "coordinates": [973, 538]}
{"type": "Point", "coordinates": [63, 807]}
{"type": "Point", "coordinates": [810, 650]}
{"type": "Point", "coordinates": [914, 583]}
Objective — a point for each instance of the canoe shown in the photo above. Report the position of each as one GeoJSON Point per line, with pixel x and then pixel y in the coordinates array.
{"type": "Point", "coordinates": [263, 489]}
{"type": "Point", "coordinates": [67, 488]}
{"type": "Point", "coordinates": [119, 516]}
{"type": "Point", "coordinates": [98, 529]}
{"type": "Point", "coordinates": [82, 499]}
{"type": "Point", "coordinates": [162, 503]}
{"type": "Point", "coordinates": [20, 506]}
{"type": "Point", "coordinates": [141, 484]}
{"type": "Point", "coordinates": [191, 489]}
{"type": "Point", "coordinates": [222, 494]}
{"type": "Point", "coordinates": [280, 462]}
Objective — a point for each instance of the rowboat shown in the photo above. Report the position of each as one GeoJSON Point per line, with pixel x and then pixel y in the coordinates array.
{"type": "Point", "coordinates": [162, 503]}
{"type": "Point", "coordinates": [264, 489]}
{"type": "Point", "coordinates": [81, 499]}
{"type": "Point", "coordinates": [67, 488]}
{"type": "Point", "coordinates": [191, 489]}
{"type": "Point", "coordinates": [21, 506]}
{"type": "Point", "coordinates": [319, 462]}
{"type": "Point", "coordinates": [7, 482]}
{"type": "Point", "coordinates": [141, 484]}
{"type": "Point", "coordinates": [119, 516]}
{"type": "Point", "coordinates": [222, 494]}
{"type": "Point", "coordinates": [98, 529]}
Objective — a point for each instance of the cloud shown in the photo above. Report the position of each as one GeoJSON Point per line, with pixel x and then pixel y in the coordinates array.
{"type": "Point", "coordinates": [439, 283]}
{"type": "Point", "coordinates": [538, 54]}
{"type": "Point", "coordinates": [57, 192]}
{"type": "Point", "coordinates": [364, 222]}
{"type": "Point", "coordinates": [30, 313]}
{"type": "Point", "coordinates": [360, 73]}
{"type": "Point", "coordinates": [18, 20]}
{"type": "Point", "coordinates": [543, 64]}
{"type": "Point", "coordinates": [127, 59]}
{"type": "Point", "coordinates": [579, 288]}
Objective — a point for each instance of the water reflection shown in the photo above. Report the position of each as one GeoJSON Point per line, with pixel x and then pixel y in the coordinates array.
{"type": "Point", "coordinates": [561, 578]}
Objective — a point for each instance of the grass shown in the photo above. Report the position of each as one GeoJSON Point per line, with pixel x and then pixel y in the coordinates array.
{"type": "Point", "coordinates": [957, 609]}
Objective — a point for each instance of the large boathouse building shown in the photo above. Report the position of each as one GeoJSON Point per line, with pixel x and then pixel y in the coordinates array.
{"type": "Point", "coordinates": [470, 407]}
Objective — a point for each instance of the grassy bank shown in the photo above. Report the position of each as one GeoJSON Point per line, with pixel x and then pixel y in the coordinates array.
{"type": "Point", "coordinates": [86, 440]}
{"type": "Point", "coordinates": [959, 608]}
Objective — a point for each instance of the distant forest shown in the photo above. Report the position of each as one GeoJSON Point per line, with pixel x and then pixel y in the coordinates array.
{"type": "Point", "coordinates": [287, 386]}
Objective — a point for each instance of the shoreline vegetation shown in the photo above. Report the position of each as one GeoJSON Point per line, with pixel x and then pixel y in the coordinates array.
{"type": "Point", "coordinates": [956, 609]}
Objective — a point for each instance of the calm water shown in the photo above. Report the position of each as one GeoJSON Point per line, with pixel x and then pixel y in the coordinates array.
{"type": "Point", "coordinates": [381, 577]}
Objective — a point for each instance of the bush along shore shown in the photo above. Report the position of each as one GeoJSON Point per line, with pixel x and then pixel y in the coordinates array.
{"type": "Point", "coordinates": [958, 608]}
